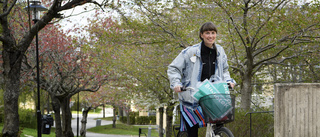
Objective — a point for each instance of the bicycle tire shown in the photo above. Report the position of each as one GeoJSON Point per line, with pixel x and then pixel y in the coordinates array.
{"type": "Point", "coordinates": [182, 134]}
{"type": "Point", "coordinates": [223, 132]}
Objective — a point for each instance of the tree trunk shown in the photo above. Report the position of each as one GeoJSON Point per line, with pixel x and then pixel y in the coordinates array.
{"type": "Point", "coordinates": [48, 103]}
{"type": "Point", "coordinates": [160, 122]}
{"type": "Point", "coordinates": [104, 110]}
{"type": "Point", "coordinates": [11, 74]}
{"type": "Point", "coordinates": [246, 93]}
{"type": "Point", "coordinates": [56, 108]}
{"type": "Point", "coordinates": [128, 115]}
{"type": "Point", "coordinates": [12, 55]}
{"type": "Point", "coordinates": [169, 113]}
{"type": "Point", "coordinates": [66, 118]}
{"type": "Point", "coordinates": [83, 130]}
{"type": "Point", "coordinates": [120, 112]}
{"type": "Point", "coordinates": [114, 117]}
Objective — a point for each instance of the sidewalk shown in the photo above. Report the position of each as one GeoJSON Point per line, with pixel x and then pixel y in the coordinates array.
{"type": "Point", "coordinates": [92, 123]}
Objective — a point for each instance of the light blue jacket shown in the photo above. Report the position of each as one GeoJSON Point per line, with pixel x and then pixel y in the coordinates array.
{"type": "Point", "coordinates": [186, 68]}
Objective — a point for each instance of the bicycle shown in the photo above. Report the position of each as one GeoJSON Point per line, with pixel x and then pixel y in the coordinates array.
{"type": "Point", "coordinates": [218, 129]}
{"type": "Point", "coordinates": [215, 128]}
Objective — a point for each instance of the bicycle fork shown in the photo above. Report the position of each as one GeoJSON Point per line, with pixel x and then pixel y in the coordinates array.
{"type": "Point", "coordinates": [212, 130]}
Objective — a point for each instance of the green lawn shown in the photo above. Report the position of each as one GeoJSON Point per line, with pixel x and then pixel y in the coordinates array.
{"type": "Point", "coordinates": [28, 132]}
{"type": "Point", "coordinates": [123, 129]}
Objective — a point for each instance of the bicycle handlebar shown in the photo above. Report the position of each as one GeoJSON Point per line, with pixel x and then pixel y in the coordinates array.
{"type": "Point", "coordinates": [185, 88]}
{"type": "Point", "coordinates": [229, 86]}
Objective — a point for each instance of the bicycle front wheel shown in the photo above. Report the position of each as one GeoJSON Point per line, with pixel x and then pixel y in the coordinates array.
{"type": "Point", "coordinates": [182, 134]}
{"type": "Point", "coordinates": [223, 132]}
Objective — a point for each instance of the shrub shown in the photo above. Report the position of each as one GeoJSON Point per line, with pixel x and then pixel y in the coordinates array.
{"type": "Point", "coordinates": [135, 119]}
{"type": "Point", "coordinates": [27, 118]}
{"type": "Point", "coordinates": [145, 120]}
{"type": "Point", "coordinates": [122, 119]}
{"type": "Point", "coordinates": [132, 115]}
{"type": "Point", "coordinates": [132, 119]}
{"type": "Point", "coordinates": [153, 119]}
{"type": "Point", "coordinates": [262, 124]}
{"type": "Point", "coordinates": [1, 114]}
{"type": "Point", "coordinates": [142, 120]}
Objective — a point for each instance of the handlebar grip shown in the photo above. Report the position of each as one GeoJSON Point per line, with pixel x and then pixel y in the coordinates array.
{"type": "Point", "coordinates": [183, 88]}
{"type": "Point", "coordinates": [229, 86]}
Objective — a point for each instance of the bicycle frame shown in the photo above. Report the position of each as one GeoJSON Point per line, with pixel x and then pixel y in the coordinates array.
{"type": "Point", "coordinates": [214, 128]}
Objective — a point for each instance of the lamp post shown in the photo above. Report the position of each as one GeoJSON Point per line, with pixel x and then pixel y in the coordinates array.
{"type": "Point", "coordinates": [78, 117]}
{"type": "Point", "coordinates": [36, 7]}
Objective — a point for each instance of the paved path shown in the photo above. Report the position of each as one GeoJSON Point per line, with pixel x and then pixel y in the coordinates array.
{"type": "Point", "coordinates": [91, 122]}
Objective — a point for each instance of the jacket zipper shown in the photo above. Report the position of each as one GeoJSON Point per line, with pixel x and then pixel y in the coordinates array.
{"type": "Point", "coordinates": [210, 64]}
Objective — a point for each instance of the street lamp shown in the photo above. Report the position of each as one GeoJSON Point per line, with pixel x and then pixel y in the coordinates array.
{"type": "Point", "coordinates": [36, 7]}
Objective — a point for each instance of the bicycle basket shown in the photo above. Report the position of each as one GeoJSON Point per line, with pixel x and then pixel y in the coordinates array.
{"type": "Point", "coordinates": [218, 108]}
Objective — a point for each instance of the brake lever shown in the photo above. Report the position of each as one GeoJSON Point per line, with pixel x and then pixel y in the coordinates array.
{"type": "Point", "coordinates": [229, 86]}
{"type": "Point", "coordinates": [183, 88]}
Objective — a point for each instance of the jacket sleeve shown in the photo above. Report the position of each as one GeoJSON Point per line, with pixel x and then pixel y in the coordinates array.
{"type": "Point", "coordinates": [175, 70]}
{"type": "Point", "coordinates": [226, 74]}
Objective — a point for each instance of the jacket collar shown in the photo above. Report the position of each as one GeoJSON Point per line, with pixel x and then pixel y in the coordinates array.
{"type": "Point", "coordinates": [198, 52]}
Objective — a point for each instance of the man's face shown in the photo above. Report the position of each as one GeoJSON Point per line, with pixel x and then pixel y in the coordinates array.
{"type": "Point", "coordinates": [209, 37]}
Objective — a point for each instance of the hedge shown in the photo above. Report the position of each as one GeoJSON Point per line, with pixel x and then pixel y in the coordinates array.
{"type": "Point", "coordinates": [135, 119]}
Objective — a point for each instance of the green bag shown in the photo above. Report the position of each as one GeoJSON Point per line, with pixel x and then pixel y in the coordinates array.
{"type": "Point", "coordinates": [216, 106]}
{"type": "Point", "coordinates": [215, 99]}
{"type": "Point", "coordinates": [207, 87]}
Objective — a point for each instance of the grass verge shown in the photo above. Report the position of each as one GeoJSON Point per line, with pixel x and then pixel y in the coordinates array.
{"type": "Point", "coordinates": [123, 129]}
{"type": "Point", "coordinates": [29, 132]}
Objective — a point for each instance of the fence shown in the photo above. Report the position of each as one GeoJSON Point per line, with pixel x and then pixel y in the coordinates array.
{"type": "Point", "coordinates": [254, 113]}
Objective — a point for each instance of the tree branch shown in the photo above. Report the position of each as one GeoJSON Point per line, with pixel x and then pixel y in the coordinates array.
{"type": "Point", "coordinates": [159, 25]}
{"type": "Point", "coordinates": [268, 19]}
{"type": "Point", "coordinates": [272, 57]}
{"type": "Point", "coordinates": [232, 21]}
{"type": "Point", "coordinates": [7, 11]}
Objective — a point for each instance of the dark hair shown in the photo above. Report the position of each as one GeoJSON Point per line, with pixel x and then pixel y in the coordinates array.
{"type": "Point", "coordinates": [208, 26]}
